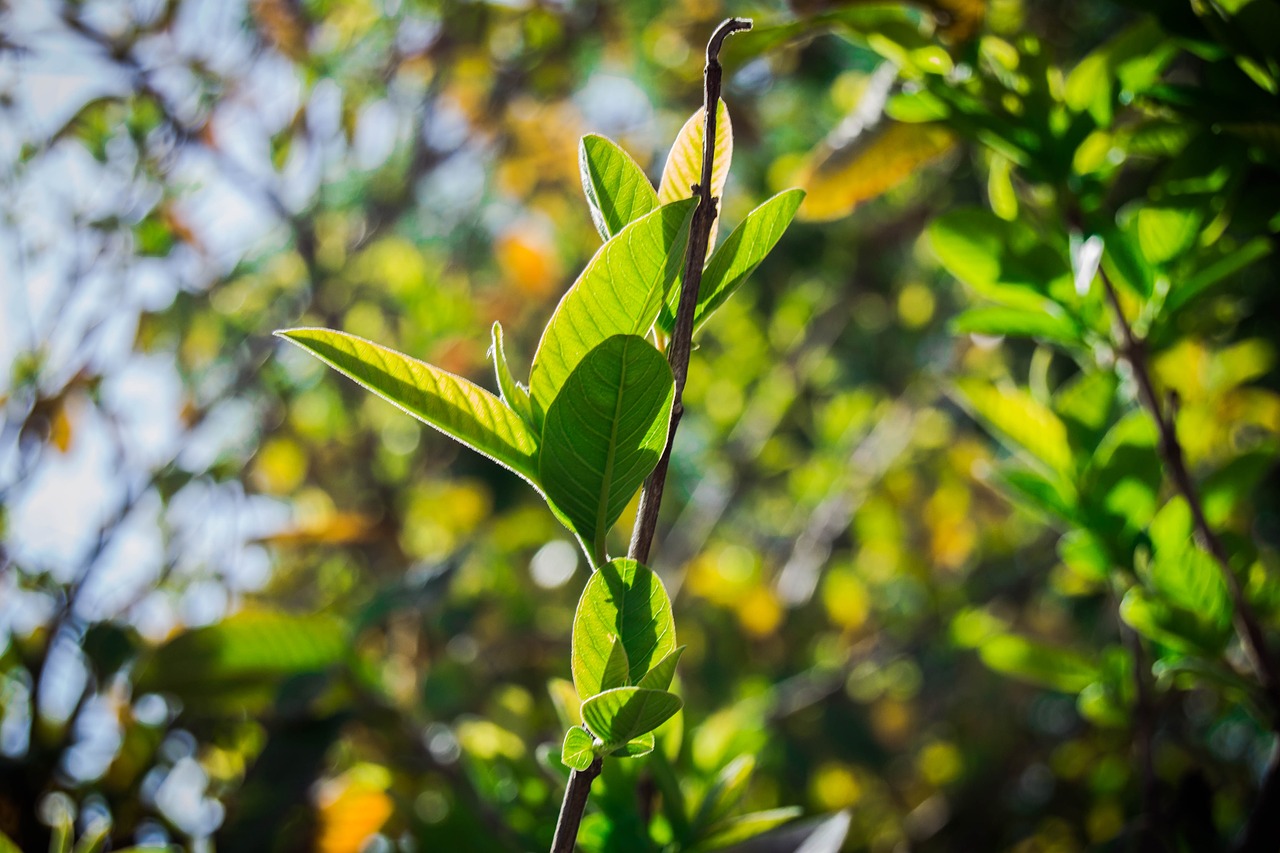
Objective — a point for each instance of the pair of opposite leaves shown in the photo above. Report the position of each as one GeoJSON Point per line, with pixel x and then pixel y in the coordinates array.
{"type": "Point", "coordinates": [593, 420]}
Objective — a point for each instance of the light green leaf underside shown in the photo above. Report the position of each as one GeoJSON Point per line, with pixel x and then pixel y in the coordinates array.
{"type": "Point", "coordinates": [617, 189]}
{"type": "Point", "coordinates": [684, 164]}
{"type": "Point", "coordinates": [659, 678]}
{"type": "Point", "coordinates": [623, 714]}
{"type": "Point", "coordinates": [579, 749]}
{"type": "Point", "coordinates": [619, 293]}
{"type": "Point", "coordinates": [457, 407]}
{"type": "Point", "coordinates": [603, 435]}
{"type": "Point", "coordinates": [515, 395]}
{"type": "Point", "coordinates": [1020, 421]}
{"type": "Point", "coordinates": [734, 261]}
{"type": "Point", "coordinates": [637, 747]}
{"type": "Point", "coordinates": [623, 600]}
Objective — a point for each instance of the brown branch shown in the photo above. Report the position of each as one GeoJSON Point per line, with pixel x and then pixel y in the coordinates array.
{"type": "Point", "coordinates": [1246, 621]}
{"type": "Point", "coordinates": [575, 803]}
{"type": "Point", "coordinates": [682, 335]}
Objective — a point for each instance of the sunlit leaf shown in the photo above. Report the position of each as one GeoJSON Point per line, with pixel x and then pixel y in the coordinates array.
{"type": "Point", "coordinates": [578, 750]}
{"type": "Point", "coordinates": [728, 788]}
{"type": "Point", "coordinates": [683, 169]}
{"type": "Point", "coordinates": [737, 257]}
{"type": "Point", "coordinates": [659, 678]}
{"type": "Point", "coordinates": [1170, 624]}
{"type": "Point", "coordinates": [1049, 325]}
{"type": "Point", "coordinates": [457, 407]}
{"type": "Point", "coordinates": [838, 180]}
{"type": "Point", "coordinates": [1037, 663]}
{"type": "Point", "coordinates": [616, 187]}
{"type": "Point", "coordinates": [1183, 572]}
{"type": "Point", "coordinates": [1167, 230]}
{"type": "Point", "coordinates": [515, 395]}
{"type": "Point", "coordinates": [636, 747]}
{"type": "Point", "coordinates": [604, 433]}
{"type": "Point", "coordinates": [1007, 262]}
{"type": "Point", "coordinates": [624, 713]}
{"type": "Point", "coordinates": [619, 293]}
{"type": "Point", "coordinates": [1215, 272]}
{"type": "Point", "coordinates": [1020, 421]}
{"type": "Point", "coordinates": [623, 600]}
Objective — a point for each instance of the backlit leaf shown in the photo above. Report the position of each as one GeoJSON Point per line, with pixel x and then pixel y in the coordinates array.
{"type": "Point", "coordinates": [1167, 230]}
{"type": "Point", "coordinates": [737, 257]}
{"type": "Point", "coordinates": [683, 169]}
{"type": "Point", "coordinates": [1049, 325]}
{"type": "Point", "coordinates": [515, 395]}
{"type": "Point", "coordinates": [636, 747]}
{"type": "Point", "coordinates": [1020, 421]}
{"type": "Point", "coordinates": [747, 826]}
{"type": "Point", "coordinates": [659, 678]}
{"type": "Point", "coordinates": [578, 750]}
{"type": "Point", "coordinates": [878, 160]}
{"type": "Point", "coordinates": [725, 792]}
{"type": "Point", "coordinates": [619, 293]}
{"type": "Point", "coordinates": [623, 600]}
{"type": "Point", "coordinates": [617, 189]}
{"type": "Point", "coordinates": [457, 407]}
{"type": "Point", "coordinates": [624, 713]}
{"type": "Point", "coordinates": [603, 435]}
{"type": "Point", "coordinates": [1036, 663]}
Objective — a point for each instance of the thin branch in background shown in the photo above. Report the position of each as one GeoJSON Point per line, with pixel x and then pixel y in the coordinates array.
{"type": "Point", "coordinates": [1246, 621]}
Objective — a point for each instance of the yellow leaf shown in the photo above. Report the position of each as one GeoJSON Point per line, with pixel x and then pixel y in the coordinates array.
{"type": "Point", "coordinates": [352, 807]}
{"type": "Point", "coordinates": [684, 164]}
{"type": "Point", "coordinates": [838, 180]}
{"type": "Point", "coordinates": [336, 528]}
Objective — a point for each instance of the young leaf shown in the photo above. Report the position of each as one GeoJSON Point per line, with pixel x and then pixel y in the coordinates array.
{"type": "Point", "coordinates": [515, 395]}
{"type": "Point", "coordinates": [624, 600]}
{"type": "Point", "coordinates": [683, 170]}
{"type": "Point", "coordinates": [737, 258]}
{"type": "Point", "coordinates": [659, 678]}
{"type": "Point", "coordinates": [619, 293]}
{"type": "Point", "coordinates": [624, 713]}
{"type": "Point", "coordinates": [616, 187]}
{"type": "Point", "coordinates": [579, 749]}
{"type": "Point", "coordinates": [617, 670]}
{"type": "Point", "coordinates": [636, 747]}
{"type": "Point", "coordinates": [458, 408]}
{"type": "Point", "coordinates": [603, 435]}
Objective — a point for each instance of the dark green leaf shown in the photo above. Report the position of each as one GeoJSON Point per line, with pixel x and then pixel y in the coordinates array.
{"type": "Point", "coordinates": [1037, 663]}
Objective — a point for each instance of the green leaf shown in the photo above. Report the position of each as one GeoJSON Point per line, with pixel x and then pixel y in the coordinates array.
{"type": "Point", "coordinates": [1210, 275]}
{"type": "Point", "coordinates": [458, 408]}
{"type": "Point", "coordinates": [1167, 623]}
{"type": "Point", "coordinates": [7, 845]}
{"type": "Point", "coordinates": [1052, 497]}
{"type": "Point", "coordinates": [615, 185]}
{"type": "Point", "coordinates": [603, 435]}
{"type": "Point", "coordinates": [1036, 663]}
{"type": "Point", "coordinates": [1020, 421]}
{"type": "Point", "coordinates": [659, 678]}
{"type": "Point", "coordinates": [725, 792]}
{"type": "Point", "coordinates": [1006, 262]}
{"type": "Point", "coordinates": [515, 395]}
{"type": "Point", "coordinates": [1167, 230]}
{"type": "Point", "coordinates": [747, 826]}
{"type": "Point", "coordinates": [617, 671]}
{"type": "Point", "coordinates": [579, 749]}
{"type": "Point", "coordinates": [1050, 325]}
{"type": "Point", "coordinates": [1181, 571]}
{"type": "Point", "coordinates": [623, 600]}
{"type": "Point", "coordinates": [636, 747]}
{"type": "Point", "coordinates": [619, 293]}
{"type": "Point", "coordinates": [683, 169]}
{"type": "Point", "coordinates": [737, 258]}
{"type": "Point", "coordinates": [624, 713]}
{"type": "Point", "coordinates": [241, 660]}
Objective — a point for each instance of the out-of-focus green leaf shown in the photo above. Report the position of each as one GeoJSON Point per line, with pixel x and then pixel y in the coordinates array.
{"type": "Point", "coordinates": [1231, 485]}
{"type": "Point", "coordinates": [1124, 262]}
{"type": "Point", "coordinates": [1166, 230]}
{"type": "Point", "coordinates": [838, 180]}
{"type": "Point", "coordinates": [659, 678]}
{"type": "Point", "coordinates": [1052, 497]}
{"type": "Point", "coordinates": [1171, 625]}
{"type": "Point", "coordinates": [1085, 403]}
{"type": "Point", "coordinates": [1203, 280]}
{"type": "Point", "coordinates": [460, 409]}
{"type": "Point", "coordinates": [1020, 421]}
{"type": "Point", "coordinates": [1049, 325]}
{"type": "Point", "coordinates": [1082, 552]}
{"type": "Point", "coordinates": [1181, 571]}
{"type": "Point", "coordinates": [737, 257]}
{"type": "Point", "coordinates": [817, 835]}
{"type": "Point", "coordinates": [514, 394]}
{"type": "Point", "coordinates": [603, 435]}
{"type": "Point", "coordinates": [619, 293]}
{"type": "Point", "coordinates": [615, 185]}
{"type": "Point", "coordinates": [683, 169]}
{"type": "Point", "coordinates": [624, 713]}
{"type": "Point", "coordinates": [623, 600]}
{"type": "Point", "coordinates": [1037, 663]}
{"type": "Point", "coordinates": [1003, 261]}
{"type": "Point", "coordinates": [579, 749]}
{"type": "Point", "coordinates": [725, 792]}
{"type": "Point", "coordinates": [242, 657]}
{"type": "Point", "coordinates": [743, 827]}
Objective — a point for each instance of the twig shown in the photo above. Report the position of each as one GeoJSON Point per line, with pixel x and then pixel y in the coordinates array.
{"type": "Point", "coordinates": [575, 795]}
{"type": "Point", "coordinates": [696, 253]}
{"type": "Point", "coordinates": [1246, 621]}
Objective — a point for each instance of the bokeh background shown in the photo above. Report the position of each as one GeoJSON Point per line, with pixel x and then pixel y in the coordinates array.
{"type": "Point", "coordinates": [245, 605]}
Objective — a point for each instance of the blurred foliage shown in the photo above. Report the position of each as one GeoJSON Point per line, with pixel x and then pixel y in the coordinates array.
{"type": "Point", "coordinates": [930, 570]}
